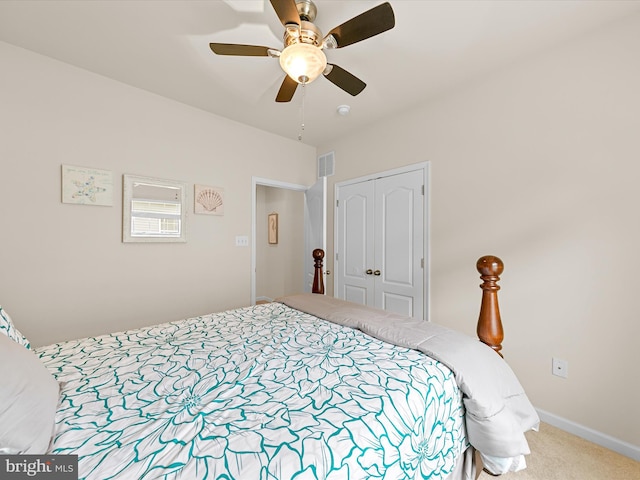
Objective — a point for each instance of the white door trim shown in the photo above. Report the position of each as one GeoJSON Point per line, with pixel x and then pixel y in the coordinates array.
{"type": "Point", "coordinates": [425, 167]}
{"type": "Point", "coordinates": [309, 219]}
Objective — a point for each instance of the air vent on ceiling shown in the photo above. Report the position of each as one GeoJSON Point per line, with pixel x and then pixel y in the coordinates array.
{"type": "Point", "coordinates": [326, 165]}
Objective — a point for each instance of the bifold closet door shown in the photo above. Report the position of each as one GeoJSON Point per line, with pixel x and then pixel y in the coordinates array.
{"type": "Point", "coordinates": [355, 243]}
{"type": "Point", "coordinates": [381, 243]}
{"type": "Point", "coordinates": [399, 244]}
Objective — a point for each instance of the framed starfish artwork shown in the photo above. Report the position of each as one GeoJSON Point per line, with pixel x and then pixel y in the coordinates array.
{"type": "Point", "coordinates": [87, 186]}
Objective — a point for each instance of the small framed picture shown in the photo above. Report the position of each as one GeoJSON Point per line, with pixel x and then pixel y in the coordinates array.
{"type": "Point", "coordinates": [87, 186]}
{"type": "Point", "coordinates": [272, 225]}
{"type": "Point", "coordinates": [208, 200]}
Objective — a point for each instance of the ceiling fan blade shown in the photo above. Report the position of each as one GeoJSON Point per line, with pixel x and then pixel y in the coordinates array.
{"type": "Point", "coordinates": [287, 11]}
{"type": "Point", "coordinates": [366, 25]}
{"type": "Point", "coordinates": [242, 50]}
{"type": "Point", "coordinates": [287, 89]}
{"type": "Point", "coordinates": [345, 80]}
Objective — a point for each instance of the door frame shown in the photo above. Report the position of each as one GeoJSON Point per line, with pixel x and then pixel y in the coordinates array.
{"type": "Point", "coordinates": [267, 182]}
{"type": "Point", "coordinates": [308, 240]}
{"type": "Point", "coordinates": [425, 167]}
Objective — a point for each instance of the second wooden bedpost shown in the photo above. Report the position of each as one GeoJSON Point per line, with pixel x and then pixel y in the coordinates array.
{"type": "Point", "coordinates": [489, 323]}
{"type": "Point", "coordinates": [318, 281]}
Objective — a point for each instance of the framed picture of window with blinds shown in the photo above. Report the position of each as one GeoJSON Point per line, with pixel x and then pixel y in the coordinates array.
{"type": "Point", "coordinates": [153, 210]}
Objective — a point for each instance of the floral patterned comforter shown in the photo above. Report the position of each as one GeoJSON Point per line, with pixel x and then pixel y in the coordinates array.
{"type": "Point", "coordinates": [264, 392]}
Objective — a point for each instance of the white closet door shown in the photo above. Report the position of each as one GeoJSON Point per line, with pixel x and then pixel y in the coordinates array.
{"type": "Point", "coordinates": [380, 243]}
{"type": "Point", "coordinates": [398, 244]}
{"type": "Point", "coordinates": [355, 243]}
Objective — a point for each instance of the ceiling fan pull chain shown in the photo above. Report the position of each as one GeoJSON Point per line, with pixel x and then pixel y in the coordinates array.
{"type": "Point", "coordinates": [304, 91]}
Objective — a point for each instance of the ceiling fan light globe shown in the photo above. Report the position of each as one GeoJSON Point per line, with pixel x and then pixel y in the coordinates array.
{"type": "Point", "coordinates": [303, 62]}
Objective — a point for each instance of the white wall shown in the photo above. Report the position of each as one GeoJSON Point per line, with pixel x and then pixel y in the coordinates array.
{"type": "Point", "coordinates": [64, 272]}
{"type": "Point", "coordinates": [539, 165]}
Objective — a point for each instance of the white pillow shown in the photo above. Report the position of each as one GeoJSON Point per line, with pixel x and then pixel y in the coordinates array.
{"type": "Point", "coordinates": [9, 329]}
{"type": "Point", "coordinates": [28, 400]}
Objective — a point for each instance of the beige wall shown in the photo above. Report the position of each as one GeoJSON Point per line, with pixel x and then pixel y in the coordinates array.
{"type": "Point", "coordinates": [280, 267]}
{"type": "Point", "coordinates": [540, 165]}
{"type": "Point", "coordinates": [64, 272]}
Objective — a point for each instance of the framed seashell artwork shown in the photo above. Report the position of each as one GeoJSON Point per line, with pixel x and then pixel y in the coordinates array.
{"type": "Point", "coordinates": [208, 200]}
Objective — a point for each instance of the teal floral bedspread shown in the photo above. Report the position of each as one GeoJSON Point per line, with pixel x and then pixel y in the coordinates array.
{"type": "Point", "coordinates": [264, 392]}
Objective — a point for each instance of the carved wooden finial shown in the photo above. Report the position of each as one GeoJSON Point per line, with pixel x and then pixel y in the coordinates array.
{"type": "Point", "coordinates": [318, 281]}
{"type": "Point", "coordinates": [489, 323]}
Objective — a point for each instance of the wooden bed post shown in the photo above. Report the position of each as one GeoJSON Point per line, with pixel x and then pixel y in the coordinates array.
{"type": "Point", "coordinates": [489, 323]}
{"type": "Point", "coordinates": [318, 282]}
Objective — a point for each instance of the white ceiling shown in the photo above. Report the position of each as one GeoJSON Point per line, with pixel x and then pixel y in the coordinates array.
{"type": "Point", "coordinates": [163, 47]}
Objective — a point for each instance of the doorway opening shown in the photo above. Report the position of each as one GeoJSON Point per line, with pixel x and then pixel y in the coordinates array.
{"type": "Point", "coordinates": [281, 260]}
{"type": "Point", "coordinates": [279, 268]}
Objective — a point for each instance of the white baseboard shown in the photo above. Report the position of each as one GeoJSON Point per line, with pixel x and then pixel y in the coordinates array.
{"type": "Point", "coordinates": [264, 299]}
{"type": "Point", "coordinates": [599, 438]}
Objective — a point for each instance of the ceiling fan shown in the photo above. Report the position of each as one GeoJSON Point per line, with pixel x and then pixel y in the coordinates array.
{"type": "Point", "coordinates": [302, 57]}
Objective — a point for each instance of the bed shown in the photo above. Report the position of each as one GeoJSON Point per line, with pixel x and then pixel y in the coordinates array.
{"type": "Point", "coordinates": [306, 387]}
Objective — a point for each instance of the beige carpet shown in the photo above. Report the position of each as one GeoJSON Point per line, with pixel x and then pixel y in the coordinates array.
{"type": "Point", "coordinates": [558, 455]}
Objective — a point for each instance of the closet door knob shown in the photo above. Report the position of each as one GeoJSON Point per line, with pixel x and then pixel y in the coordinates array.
{"type": "Point", "coordinates": [369, 272]}
{"type": "Point", "coordinates": [377, 272]}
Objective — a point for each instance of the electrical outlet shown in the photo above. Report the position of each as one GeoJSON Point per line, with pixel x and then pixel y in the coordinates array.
{"type": "Point", "coordinates": [242, 241]}
{"type": "Point", "coordinates": [560, 368]}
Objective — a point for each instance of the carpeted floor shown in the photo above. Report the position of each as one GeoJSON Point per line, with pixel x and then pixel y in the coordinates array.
{"type": "Point", "coordinates": [558, 455]}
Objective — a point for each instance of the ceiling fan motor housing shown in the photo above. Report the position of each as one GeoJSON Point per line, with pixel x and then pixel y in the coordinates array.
{"type": "Point", "coordinates": [307, 10]}
{"type": "Point", "coordinates": [306, 33]}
